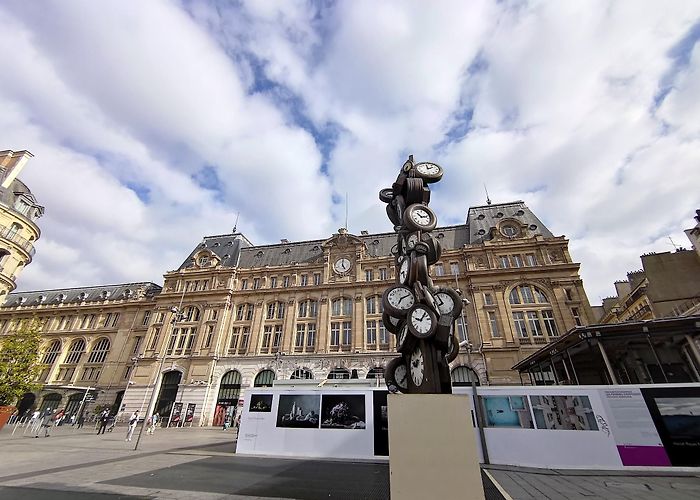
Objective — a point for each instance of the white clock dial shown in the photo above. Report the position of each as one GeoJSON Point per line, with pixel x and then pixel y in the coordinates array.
{"type": "Point", "coordinates": [427, 168]}
{"type": "Point", "coordinates": [400, 376]}
{"type": "Point", "coordinates": [420, 217]}
{"type": "Point", "coordinates": [417, 366]}
{"type": "Point", "coordinates": [411, 241]}
{"type": "Point", "coordinates": [342, 265]}
{"type": "Point", "coordinates": [401, 298]}
{"type": "Point", "coordinates": [421, 321]}
{"type": "Point", "coordinates": [402, 335]}
{"type": "Point", "coordinates": [444, 302]}
{"type": "Point", "coordinates": [403, 273]}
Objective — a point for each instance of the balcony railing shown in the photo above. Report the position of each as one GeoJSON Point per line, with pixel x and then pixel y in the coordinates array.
{"type": "Point", "coordinates": [25, 244]}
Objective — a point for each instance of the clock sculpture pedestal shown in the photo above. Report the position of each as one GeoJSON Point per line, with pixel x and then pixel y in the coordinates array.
{"type": "Point", "coordinates": [432, 448]}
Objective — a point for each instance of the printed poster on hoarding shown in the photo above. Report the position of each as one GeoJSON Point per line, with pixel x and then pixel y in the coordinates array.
{"type": "Point", "coordinates": [176, 415]}
{"type": "Point", "coordinates": [189, 414]}
{"type": "Point", "coordinates": [637, 440]}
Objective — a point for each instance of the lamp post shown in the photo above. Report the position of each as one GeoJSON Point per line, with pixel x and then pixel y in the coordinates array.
{"type": "Point", "coordinates": [177, 316]}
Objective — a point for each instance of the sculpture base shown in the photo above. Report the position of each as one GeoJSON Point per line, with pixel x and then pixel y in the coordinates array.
{"type": "Point", "coordinates": [432, 448]}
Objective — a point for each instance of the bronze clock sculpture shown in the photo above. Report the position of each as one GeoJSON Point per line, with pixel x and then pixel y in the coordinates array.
{"type": "Point", "coordinates": [421, 315]}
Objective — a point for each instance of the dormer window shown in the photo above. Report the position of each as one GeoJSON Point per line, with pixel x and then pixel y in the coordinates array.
{"type": "Point", "coordinates": [105, 294]}
{"type": "Point", "coordinates": [21, 300]}
{"type": "Point", "coordinates": [203, 260]}
{"type": "Point", "coordinates": [83, 295]}
{"type": "Point", "coordinates": [127, 293]}
{"type": "Point", "coordinates": [61, 297]}
{"type": "Point", "coordinates": [41, 299]}
{"type": "Point", "coordinates": [510, 230]}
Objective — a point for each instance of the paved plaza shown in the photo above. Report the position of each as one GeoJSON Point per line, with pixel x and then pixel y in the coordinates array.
{"type": "Point", "coordinates": [194, 463]}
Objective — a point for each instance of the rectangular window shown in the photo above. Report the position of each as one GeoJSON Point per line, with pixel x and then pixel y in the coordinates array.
{"type": "Point", "coordinates": [160, 318]}
{"type": "Point", "coordinates": [549, 323]}
{"type": "Point", "coordinates": [240, 312]}
{"type": "Point", "coordinates": [115, 319]}
{"type": "Point", "coordinates": [567, 292]}
{"type": "Point", "coordinates": [278, 337]}
{"type": "Point", "coordinates": [317, 279]}
{"type": "Point", "coordinates": [233, 343]}
{"type": "Point", "coordinates": [88, 322]}
{"type": "Point", "coordinates": [171, 342]}
{"type": "Point", "coordinates": [369, 274]}
{"type": "Point", "coordinates": [209, 337]}
{"type": "Point", "coordinates": [461, 332]}
{"type": "Point", "coordinates": [205, 284]}
{"type": "Point", "coordinates": [493, 323]}
{"type": "Point", "coordinates": [273, 282]}
{"type": "Point", "coordinates": [382, 273]}
{"type": "Point", "coordinates": [303, 308]}
{"type": "Point", "coordinates": [347, 332]}
{"type": "Point", "coordinates": [214, 314]}
{"type": "Point", "coordinates": [249, 312]}
{"type": "Point", "coordinates": [335, 334]}
{"type": "Point", "coordinates": [519, 321]}
{"type": "Point", "coordinates": [577, 317]}
{"type": "Point", "coordinates": [313, 309]}
{"type": "Point", "coordinates": [244, 284]}
{"type": "Point", "coordinates": [347, 307]}
{"type": "Point", "coordinates": [127, 372]}
{"type": "Point", "coordinates": [245, 339]}
{"type": "Point", "coordinates": [439, 270]}
{"type": "Point", "coordinates": [154, 339]}
{"type": "Point", "coordinates": [534, 322]}
{"type": "Point", "coordinates": [383, 334]}
{"type": "Point", "coordinates": [304, 280]}
{"type": "Point", "coordinates": [108, 320]}
{"type": "Point", "coordinates": [488, 299]}
{"type": "Point", "coordinates": [299, 338]}
{"type": "Point", "coordinates": [526, 292]}
{"type": "Point", "coordinates": [280, 310]}
{"type": "Point", "coordinates": [146, 318]}
{"type": "Point", "coordinates": [530, 259]}
{"type": "Point", "coordinates": [371, 332]}
{"type": "Point", "coordinates": [267, 337]}
{"type": "Point", "coordinates": [285, 281]}
{"type": "Point", "coordinates": [517, 261]}
{"type": "Point", "coordinates": [371, 305]}
{"type": "Point", "coordinates": [454, 268]}
{"type": "Point", "coordinates": [311, 335]}
{"type": "Point", "coordinates": [271, 310]}
{"type": "Point", "coordinates": [137, 345]}
{"type": "Point", "coordinates": [256, 283]}
{"type": "Point", "coordinates": [504, 261]}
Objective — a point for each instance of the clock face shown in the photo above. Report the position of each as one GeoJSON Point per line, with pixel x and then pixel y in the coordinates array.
{"type": "Point", "coordinates": [342, 265]}
{"type": "Point", "coordinates": [421, 321]}
{"type": "Point", "coordinates": [444, 302]}
{"type": "Point", "coordinates": [417, 366]}
{"type": "Point", "coordinates": [427, 168]}
{"type": "Point", "coordinates": [412, 240]}
{"type": "Point", "coordinates": [403, 271]}
{"type": "Point", "coordinates": [420, 217]}
{"type": "Point", "coordinates": [400, 376]}
{"type": "Point", "coordinates": [401, 298]}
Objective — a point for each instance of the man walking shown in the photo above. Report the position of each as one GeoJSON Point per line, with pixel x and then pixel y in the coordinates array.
{"type": "Point", "coordinates": [133, 421]}
{"type": "Point", "coordinates": [152, 422]}
{"type": "Point", "coordinates": [104, 418]}
{"type": "Point", "coordinates": [46, 422]}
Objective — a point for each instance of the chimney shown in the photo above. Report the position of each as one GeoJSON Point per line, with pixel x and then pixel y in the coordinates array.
{"type": "Point", "coordinates": [364, 232]}
{"type": "Point", "coordinates": [284, 240]}
{"type": "Point", "coordinates": [11, 164]}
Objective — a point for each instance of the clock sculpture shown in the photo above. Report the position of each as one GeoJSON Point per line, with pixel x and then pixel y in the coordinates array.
{"type": "Point", "coordinates": [421, 315]}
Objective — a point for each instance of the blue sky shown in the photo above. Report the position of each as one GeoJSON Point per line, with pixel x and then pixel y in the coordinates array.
{"type": "Point", "coordinates": [154, 126]}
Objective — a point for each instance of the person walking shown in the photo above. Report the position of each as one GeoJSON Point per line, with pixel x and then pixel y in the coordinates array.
{"type": "Point", "coordinates": [104, 418]}
{"type": "Point", "coordinates": [152, 422]}
{"type": "Point", "coordinates": [81, 420]}
{"type": "Point", "coordinates": [133, 421]}
{"type": "Point", "coordinates": [45, 423]}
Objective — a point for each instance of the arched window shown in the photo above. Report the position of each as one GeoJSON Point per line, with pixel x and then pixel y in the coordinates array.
{"type": "Point", "coordinates": [230, 386]}
{"type": "Point", "coordinates": [75, 351]}
{"type": "Point", "coordinates": [532, 314]}
{"type": "Point", "coordinates": [275, 310]}
{"type": "Point", "coordinates": [52, 352]}
{"type": "Point", "coordinates": [373, 305]}
{"type": "Point", "coordinates": [342, 306]}
{"type": "Point", "coordinates": [191, 313]}
{"type": "Point", "coordinates": [308, 309]}
{"type": "Point", "coordinates": [50, 401]}
{"type": "Point", "coordinates": [339, 373]}
{"type": "Point", "coordinates": [463, 376]}
{"type": "Point", "coordinates": [14, 229]}
{"type": "Point", "coordinates": [264, 379]}
{"type": "Point", "coordinates": [301, 373]}
{"type": "Point", "coordinates": [376, 372]}
{"type": "Point", "coordinates": [244, 312]}
{"type": "Point", "coordinates": [99, 351]}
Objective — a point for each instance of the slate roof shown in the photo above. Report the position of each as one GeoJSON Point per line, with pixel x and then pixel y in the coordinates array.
{"type": "Point", "coordinates": [481, 219]}
{"type": "Point", "coordinates": [227, 247]}
{"type": "Point", "coordinates": [82, 294]}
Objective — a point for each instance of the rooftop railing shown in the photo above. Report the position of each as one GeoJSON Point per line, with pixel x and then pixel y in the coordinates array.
{"type": "Point", "coordinates": [11, 235]}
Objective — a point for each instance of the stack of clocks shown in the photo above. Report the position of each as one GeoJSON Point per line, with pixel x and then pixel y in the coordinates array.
{"type": "Point", "coordinates": [421, 315]}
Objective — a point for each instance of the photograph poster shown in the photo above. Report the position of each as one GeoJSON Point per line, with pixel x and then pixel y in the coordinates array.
{"type": "Point", "coordinates": [299, 411]}
{"type": "Point", "coordinates": [175, 416]}
{"type": "Point", "coordinates": [343, 411]}
{"type": "Point", "coordinates": [506, 411]}
{"type": "Point", "coordinates": [260, 403]}
{"type": "Point", "coordinates": [563, 413]}
{"type": "Point", "coordinates": [189, 414]}
{"type": "Point", "coordinates": [381, 423]}
{"type": "Point", "coordinates": [676, 415]}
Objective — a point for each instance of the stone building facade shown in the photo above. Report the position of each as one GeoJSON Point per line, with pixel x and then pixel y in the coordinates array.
{"type": "Point", "coordinates": [18, 213]}
{"type": "Point", "coordinates": [246, 315]}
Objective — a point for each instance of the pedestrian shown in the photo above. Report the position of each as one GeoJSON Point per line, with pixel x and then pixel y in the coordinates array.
{"type": "Point", "coordinates": [81, 420]}
{"type": "Point", "coordinates": [133, 421]}
{"type": "Point", "coordinates": [45, 423]}
{"type": "Point", "coordinates": [72, 420]}
{"type": "Point", "coordinates": [152, 422]}
{"type": "Point", "coordinates": [104, 418]}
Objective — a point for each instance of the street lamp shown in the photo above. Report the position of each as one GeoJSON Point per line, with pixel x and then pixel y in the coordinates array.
{"type": "Point", "coordinates": [177, 315]}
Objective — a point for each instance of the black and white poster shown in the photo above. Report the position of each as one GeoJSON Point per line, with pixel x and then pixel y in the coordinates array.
{"type": "Point", "coordinates": [189, 414]}
{"type": "Point", "coordinates": [176, 415]}
{"type": "Point", "coordinates": [676, 415]}
{"type": "Point", "coordinates": [381, 423]}
{"type": "Point", "coordinates": [299, 411]}
{"type": "Point", "coordinates": [343, 411]}
{"type": "Point", "coordinates": [260, 403]}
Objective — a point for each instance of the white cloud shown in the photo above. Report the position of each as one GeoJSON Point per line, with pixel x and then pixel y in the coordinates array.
{"type": "Point", "coordinates": [288, 106]}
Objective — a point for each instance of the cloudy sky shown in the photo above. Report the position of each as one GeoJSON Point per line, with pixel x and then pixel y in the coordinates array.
{"type": "Point", "coordinates": [154, 123]}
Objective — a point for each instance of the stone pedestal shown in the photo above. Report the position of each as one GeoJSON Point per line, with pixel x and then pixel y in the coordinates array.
{"type": "Point", "coordinates": [432, 448]}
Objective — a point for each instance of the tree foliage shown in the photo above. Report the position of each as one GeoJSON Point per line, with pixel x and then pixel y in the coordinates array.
{"type": "Point", "coordinates": [19, 361]}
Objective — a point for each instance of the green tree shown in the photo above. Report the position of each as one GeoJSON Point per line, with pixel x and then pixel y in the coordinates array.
{"type": "Point", "coordinates": [19, 356]}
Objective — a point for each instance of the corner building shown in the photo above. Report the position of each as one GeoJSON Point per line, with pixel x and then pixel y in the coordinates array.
{"type": "Point", "coordinates": [252, 314]}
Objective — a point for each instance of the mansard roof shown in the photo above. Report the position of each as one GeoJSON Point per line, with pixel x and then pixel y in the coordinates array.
{"type": "Point", "coordinates": [226, 247]}
{"type": "Point", "coordinates": [82, 294]}
{"type": "Point", "coordinates": [481, 219]}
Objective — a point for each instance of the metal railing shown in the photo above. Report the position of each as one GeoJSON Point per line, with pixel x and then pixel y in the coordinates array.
{"type": "Point", "coordinates": [25, 244]}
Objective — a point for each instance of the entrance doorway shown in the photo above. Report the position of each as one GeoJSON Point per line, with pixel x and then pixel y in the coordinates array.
{"type": "Point", "coordinates": [73, 405]}
{"type": "Point", "coordinates": [168, 394]}
{"type": "Point", "coordinates": [50, 401]}
{"type": "Point", "coordinates": [227, 401]}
